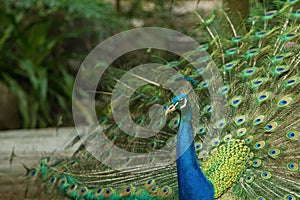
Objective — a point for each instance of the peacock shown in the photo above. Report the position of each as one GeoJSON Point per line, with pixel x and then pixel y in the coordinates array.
{"type": "Point", "coordinates": [230, 133]}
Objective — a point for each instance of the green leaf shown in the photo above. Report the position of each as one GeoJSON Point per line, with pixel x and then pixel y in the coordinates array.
{"type": "Point", "coordinates": [22, 100]}
{"type": "Point", "coordinates": [28, 67]}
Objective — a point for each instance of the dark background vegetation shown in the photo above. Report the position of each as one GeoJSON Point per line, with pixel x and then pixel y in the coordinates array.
{"type": "Point", "coordinates": [43, 42]}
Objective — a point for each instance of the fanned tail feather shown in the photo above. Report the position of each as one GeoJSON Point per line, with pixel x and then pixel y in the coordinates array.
{"type": "Point", "coordinates": [257, 137]}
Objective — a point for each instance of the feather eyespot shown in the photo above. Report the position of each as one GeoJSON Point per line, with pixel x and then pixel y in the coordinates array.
{"type": "Point", "coordinates": [215, 142]}
{"type": "Point", "coordinates": [230, 65]}
{"type": "Point", "coordinates": [221, 123]}
{"type": "Point", "coordinates": [266, 175]}
{"type": "Point", "coordinates": [34, 172]}
{"type": "Point", "coordinates": [72, 187]}
{"type": "Point", "coordinates": [259, 145]}
{"type": "Point", "coordinates": [165, 192]}
{"type": "Point", "coordinates": [203, 47]}
{"type": "Point", "coordinates": [271, 126]}
{"type": "Point", "coordinates": [252, 19]}
{"type": "Point", "coordinates": [270, 14]}
{"type": "Point", "coordinates": [296, 14]}
{"type": "Point", "coordinates": [127, 191]}
{"type": "Point", "coordinates": [108, 192]}
{"type": "Point", "coordinates": [257, 82]}
{"type": "Point", "coordinates": [291, 2]}
{"type": "Point", "coordinates": [289, 197]}
{"type": "Point", "coordinates": [281, 69]}
{"type": "Point", "coordinates": [260, 198]}
{"type": "Point", "coordinates": [257, 163]}
{"type": "Point", "coordinates": [63, 184]}
{"type": "Point", "coordinates": [248, 72]}
{"type": "Point", "coordinates": [152, 145]}
{"type": "Point", "coordinates": [258, 120]}
{"type": "Point", "coordinates": [249, 139]}
{"type": "Point", "coordinates": [250, 155]}
{"type": "Point", "coordinates": [208, 109]}
{"type": "Point", "coordinates": [224, 90]}
{"type": "Point", "coordinates": [293, 135]}
{"type": "Point", "coordinates": [204, 84]}
{"type": "Point", "coordinates": [292, 166]}
{"type": "Point", "coordinates": [285, 101]}
{"type": "Point", "coordinates": [198, 146]}
{"type": "Point", "coordinates": [200, 130]}
{"type": "Point", "coordinates": [203, 154]}
{"type": "Point", "coordinates": [82, 190]}
{"type": "Point", "coordinates": [278, 58]}
{"type": "Point", "coordinates": [236, 39]}
{"type": "Point", "coordinates": [240, 119]}
{"type": "Point", "coordinates": [235, 101]}
{"type": "Point", "coordinates": [174, 122]}
{"type": "Point", "coordinates": [149, 183]}
{"type": "Point", "coordinates": [288, 36]}
{"type": "Point", "coordinates": [263, 96]}
{"type": "Point", "coordinates": [274, 153]}
{"type": "Point", "coordinates": [231, 51]}
{"type": "Point", "coordinates": [241, 132]}
{"type": "Point", "coordinates": [261, 34]}
{"type": "Point", "coordinates": [249, 179]}
{"type": "Point", "coordinates": [153, 190]}
{"type": "Point", "coordinates": [252, 52]}
{"type": "Point", "coordinates": [52, 180]}
{"type": "Point", "coordinates": [171, 142]}
{"type": "Point", "coordinates": [292, 81]}
{"type": "Point", "coordinates": [62, 181]}
{"type": "Point", "coordinates": [227, 137]}
{"type": "Point", "coordinates": [98, 192]}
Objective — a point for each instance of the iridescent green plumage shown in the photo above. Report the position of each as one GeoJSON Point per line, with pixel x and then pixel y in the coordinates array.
{"type": "Point", "coordinates": [251, 152]}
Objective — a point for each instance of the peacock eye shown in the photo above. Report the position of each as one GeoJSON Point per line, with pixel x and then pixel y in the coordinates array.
{"type": "Point", "coordinates": [181, 102]}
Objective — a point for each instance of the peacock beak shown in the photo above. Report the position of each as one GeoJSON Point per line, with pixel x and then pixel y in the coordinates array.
{"type": "Point", "coordinates": [170, 109]}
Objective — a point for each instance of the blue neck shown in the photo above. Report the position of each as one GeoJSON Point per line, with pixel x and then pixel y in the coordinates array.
{"type": "Point", "coordinates": [192, 184]}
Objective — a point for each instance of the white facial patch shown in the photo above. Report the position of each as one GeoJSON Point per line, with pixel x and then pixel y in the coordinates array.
{"type": "Point", "coordinates": [184, 104]}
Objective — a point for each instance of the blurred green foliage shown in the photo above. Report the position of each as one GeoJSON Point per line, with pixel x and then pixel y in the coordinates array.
{"type": "Point", "coordinates": [172, 14]}
{"type": "Point", "coordinates": [40, 42]}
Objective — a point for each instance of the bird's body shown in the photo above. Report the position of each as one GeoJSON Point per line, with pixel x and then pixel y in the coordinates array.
{"type": "Point", "coordinates": [189, 174]}
{"type": "Point", "coordinates": [246, 144]}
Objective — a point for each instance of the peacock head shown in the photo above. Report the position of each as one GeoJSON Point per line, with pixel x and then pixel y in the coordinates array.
{"type": "Point", "coordinates": [178, 103]}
